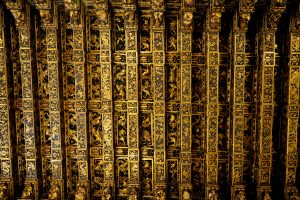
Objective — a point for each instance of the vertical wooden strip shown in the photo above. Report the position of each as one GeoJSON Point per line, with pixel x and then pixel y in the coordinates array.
{"type": "Point", "coordinates": [82, 189]}
{"type": "Point", "coordinates": [237, 104]}
{"type": "Point", "coordinates": [44, 116]}
{"type": "Point", "coordinates": [292, 113]}
{"type": "Point", "coordinates": [107, 101]}
{"type": "Point", "coordinates": [17, 90]}
{"type": "Point", "coordinates": [186, 100]}
{"type": "Point", "coordinates": [50, 25]}
{"type": "Point", "coordinates": [173, 83]}
{"type": "Point", "coordinates": [213, 25]}
{"type": "Point", "coordinates": [21, 13]}
{"type": "Point", "coordinates": [146, 96]}
{"type": "Point", "coordinates": [6, 164]}
{"type": "Point", "coordinates": [55, 110]}
{"type": "Point", "coordinates": [76, 105]}
{"type": "Point", "coordinates": [97, 39]}
{"type": "Point", "coordinates": [121, 106]}
{"type": "Point", "coordinates": [131, 31]}
{"type": "Point", "coordinates": [267, 39]}
{"type": "Point", "coordinates": [158, 41]}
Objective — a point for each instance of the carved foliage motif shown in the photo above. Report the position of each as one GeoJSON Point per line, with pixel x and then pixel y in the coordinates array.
{"type": "Point", "coordinates": [119, 33]}
{"type": "Point", "coordinates": [42, 65]}
{"type": "Point", "coordinates": [158, 19]}
{"type": "Point", "coordinates": [95, 74]}
{"type": "Point", "coordinates": [146, 82]}
{"type": "Point", "coordinates": [159, 132]}
{"type": "Point", "coordinates": [94, 33]}
{"type": "Point", "coordinates": [72, 130]}
{"type": "Point", "coordinates": [70, 80]}
{"type": "Point", "coordinates": [198, 176]}
{"type": "Point", "coordinates": [145, 43]}
{"type": "Point", "coordinates": [73, 173]}
{"type": "Point", "coordinates": [133, 134]}
{"type": "Point", "coordinates": [102, 17]}
{"type": "Point", "coordinates": [172, 177]}
{"type": "Point", "coordinates": [214, 20]}
{"type": "Point", "coordinates": [172, 37]}
{"type": "Point", "coordinates": [16, 62]}
{"type": "Point", "coordinates": [129, 18]}
{"type": "Point", "coordinates": [294, 85]}
{"type": "Point", "coordinates": [173, 129]}
{"type": "Point", "coordinates": [122, 177]}
{"type": "Point", "coordinates": [248, 85]}
{"type": "Point", "coordinates": [197, 132]}
{"type": "Point", "coordinates": [147, 177]}
{"type": "Point", "coordinates": [121, 128]}
{"type": "Point", "coordinates": [120, 81]}
{"type": "Point", "coordinates": [185, 133]}
{"type": "Point", "coordinates": [96, 129]}
{"type": "Point", "coordinates": [146, 130]}
{"type": "Point", "coordinates": [186, 83]}
{"type": "Point", "coordinates": [198, 87]}
{"type": "Point", "coordinates": [46, 144]}
{"type": "Point", "coordinates": [187, 20]}
{"type": "Point", "coordinates": [172, 82]}
{"type": "Point", "coordinates": [98, 177]}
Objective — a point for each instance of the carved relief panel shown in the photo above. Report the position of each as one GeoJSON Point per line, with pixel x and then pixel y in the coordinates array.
{"type": "Point", "coordinates": [148, 99]}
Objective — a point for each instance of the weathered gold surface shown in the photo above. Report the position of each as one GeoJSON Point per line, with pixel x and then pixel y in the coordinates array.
{"type": "Point", "coordinates": [162, 99]}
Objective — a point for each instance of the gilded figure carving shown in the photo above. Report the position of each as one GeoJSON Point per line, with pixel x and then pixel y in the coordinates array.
{"type": "Point", "coordinates": [120, 82]}
{"type": "Point", "coordinates": [240, 195]}
{"type": "Point", "coordinates": [102, 17]}
{"type": "Point", "coordinates": [171, 33]}
{"type": "Point", "coordinates": [186, 195]}
{"type": "Point", "coordinates": [160, 195]}
{"type": "Point", "coordinates": [214, 20]}
{"type": "Point", "coordinates": [122, 177]}
{"type": "Point", "coordinates": [3, 191]}
{"type": "Point", "coordinates": [212, 195]}
{"type": "Point", "coordinates": [147, 177]}
{"type": "Point", "coordinates": [188, 2]}
{"type": "Point", "coordinates": [19, 17]}
{"type": "Point", "coordinates": [158, 19]}
{"type": "Point", "coordinates": [145, 34]}
{"type": "Point", "coordinates": [129, 17]}
{"type": "Point", "coordinates": [120, 33]}
{"type": "Point", "coordinates": [80, 192]}
{"type": "Point", "coordinates": [28, 191]}
{"type": "Point", "coordinates": [146, 131]}
{"type": "Point", "coordinates": [158, 3]}
{"type": "Point", "coordinates": [54, 192]}
{"type": "Point", "coordinates": [187, 19]}
{"type": "Point", "coordinates": [107, 193]}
